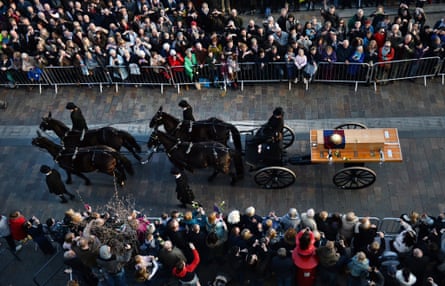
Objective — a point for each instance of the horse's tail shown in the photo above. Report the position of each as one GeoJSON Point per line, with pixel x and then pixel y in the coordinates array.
{"type": "Point", "coordinates": [125, 162]}
{"type": "Point", "coordinates": [236, 136]}
{"type": "Point", "coordinates": [130, 140]}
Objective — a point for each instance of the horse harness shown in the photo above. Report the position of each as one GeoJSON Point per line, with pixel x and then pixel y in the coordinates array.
{"type": "Point", "coordinates": [76, 152]}
{"type": "Point", "coordinates": [193, 123]}
{"type": "Point", "coordinates": [189, 149]}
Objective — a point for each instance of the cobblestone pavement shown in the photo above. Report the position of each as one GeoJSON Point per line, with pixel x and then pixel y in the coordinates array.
{"type": "Point", "coordinates": [416, 184]}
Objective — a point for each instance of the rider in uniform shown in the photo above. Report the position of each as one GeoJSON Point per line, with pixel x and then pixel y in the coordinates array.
{"type": "Point", "coordinates": [79, 122]}
{"type": "Point", "coordinates": [187, 110]}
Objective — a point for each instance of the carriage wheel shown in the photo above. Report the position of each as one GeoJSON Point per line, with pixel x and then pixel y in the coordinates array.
{"type": "Point", "coordinates": [351, 125]}
{"type": "Point", "coordinates": [354, 178]}
{"type": "Point", "coordinates": [274, 177]}
{"type": "Point", "coordinates": [288, 137]}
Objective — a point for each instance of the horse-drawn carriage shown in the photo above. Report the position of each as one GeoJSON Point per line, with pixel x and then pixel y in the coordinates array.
{"type": "Point", "coordinates": [202, 144]}
{"type": "Point", "coordinates": [351, 144]}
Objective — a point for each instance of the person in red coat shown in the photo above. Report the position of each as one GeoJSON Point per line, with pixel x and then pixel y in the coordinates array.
{"type": "Point", "coordinates": [176, 61]}
{"type": "Point", "coordinates": [380, 37]}
{"type": "Point", "coordinates": [186, 272]}
{"type": "Point", "coordinates": [16, 221]}
{"type": "Point", "coordinates": [386, 54]}
{"type": "Point", "coordinates": [305, 257]}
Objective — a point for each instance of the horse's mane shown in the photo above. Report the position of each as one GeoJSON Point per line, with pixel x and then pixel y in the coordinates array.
{"type": "Point", "coordinates": [166, 114]}
{"type": "Point", "coordinates": [57, 122]}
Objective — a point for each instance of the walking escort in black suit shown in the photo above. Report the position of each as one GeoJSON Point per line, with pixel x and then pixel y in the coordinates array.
{"type": "Point", "coordinates": [183, 191]}
{"type": "Point", "coordinates": [55, 183]}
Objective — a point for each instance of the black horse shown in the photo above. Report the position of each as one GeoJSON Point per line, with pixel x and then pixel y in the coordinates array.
{"type": "Point", "coordinates": [76, 161]}
{"type": "Point", "coordinates": [199, 155]}
{"type": "Point", "coordinates": [212, 129]}
{"type": "Point", "coordinates": [108, 136]}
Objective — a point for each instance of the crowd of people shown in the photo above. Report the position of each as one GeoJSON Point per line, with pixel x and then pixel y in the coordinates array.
{"type": "Point", "coordinates": [307, 248]}
{"type": "Point", "coordinates": [188, 35]}
{"type": "Point", "coordinates": [311, 247]}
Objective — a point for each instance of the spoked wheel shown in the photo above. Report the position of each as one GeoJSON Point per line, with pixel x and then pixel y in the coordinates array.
{"type": "Point", "coordinates": [354, 178]}
{"type": "Point", "coordinates": [351, 125]}
{"type": "Point", "coordinates": [288, 137]}
{"type": "Point", "coordinates": [274, 177]}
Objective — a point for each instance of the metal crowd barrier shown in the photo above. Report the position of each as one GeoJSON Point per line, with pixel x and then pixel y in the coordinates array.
{"type": "Point", "coordinates": [405, 69]}
{"type": "Point", "coordinates": [224, 75]}
{"type": "Point", "coordinates": [60, 76]}
{"type": "Point", "coordinates": [390, 226]}
{"type": "Point", "coordinates": [17, 78]}
{"type": "Point", "coordinates": [441, 72]}
{"type": "Point", "coordinates": [257, 72]}
{"type": "Point", "coordinates": [354, 73]}
{"type": "Point", "coordinates": [140, 76]}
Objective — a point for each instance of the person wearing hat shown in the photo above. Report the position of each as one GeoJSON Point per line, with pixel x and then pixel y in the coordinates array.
{"type": "Point", "coordinates": [113, 265]}
{"type": "Point", "coordinates": [274, 126]}
{"type": "Point", "coordinates": [183, 191]}
{"type": "Point", "coordinates": [55, 184]}
{"type": "Point", "coordinates": [187, 110]}
{"type": "Point", "coordinates": [79, 122]}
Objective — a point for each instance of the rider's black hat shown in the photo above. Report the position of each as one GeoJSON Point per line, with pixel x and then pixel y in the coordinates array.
{"type": "Point", "coordinates": [70, 106]}
{"type": "Point", "coordinates": [45, 169]}
{"type": "Point", "coordinates": [183, 103]}
{"type": "Point", "coordinates": [278, 111]}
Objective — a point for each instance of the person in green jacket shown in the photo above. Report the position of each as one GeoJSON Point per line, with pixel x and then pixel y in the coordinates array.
{"type": "Point", "coordinates": [190, 66]}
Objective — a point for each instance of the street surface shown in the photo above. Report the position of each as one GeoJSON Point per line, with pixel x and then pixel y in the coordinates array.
{"type": "Point", "coordinates": [416, 184]}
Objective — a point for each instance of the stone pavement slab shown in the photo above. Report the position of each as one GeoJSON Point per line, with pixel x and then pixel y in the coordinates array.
{"type": "Point", "coordinates": [416, 184]}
